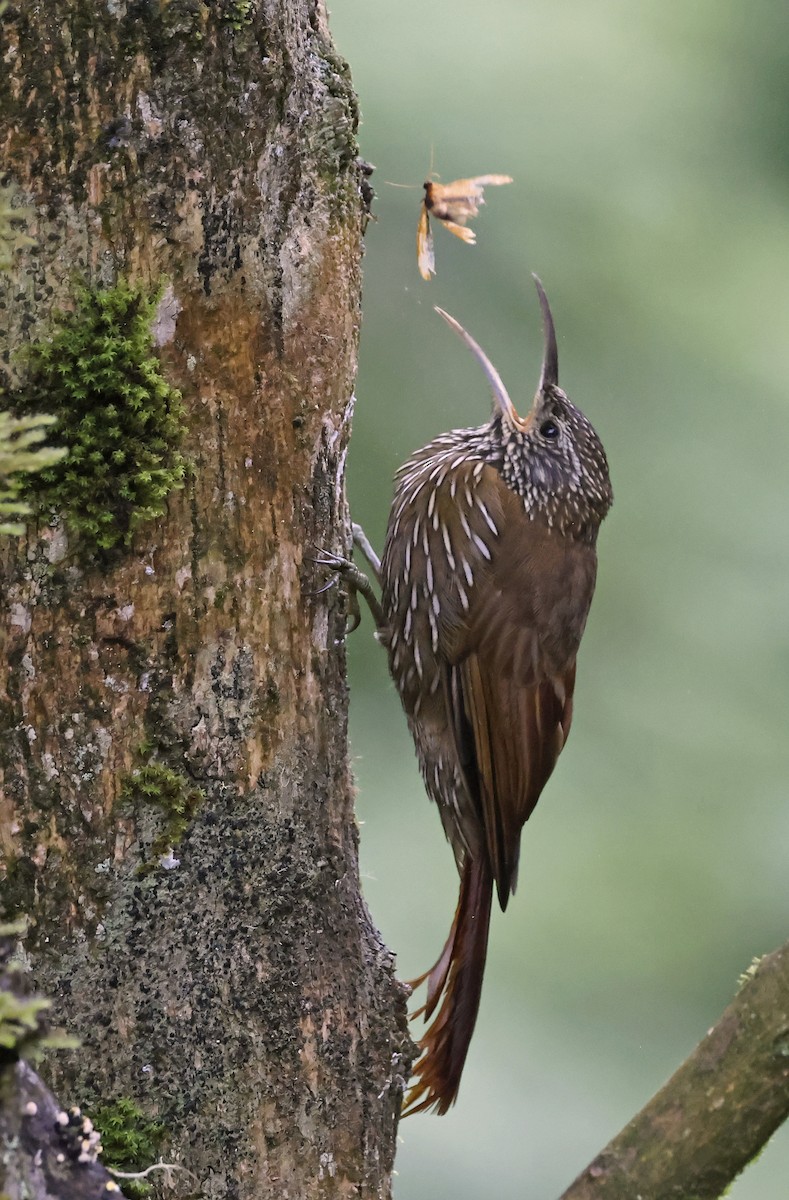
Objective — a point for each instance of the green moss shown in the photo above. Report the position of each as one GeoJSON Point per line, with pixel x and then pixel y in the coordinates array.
{"type": "Point", "coordinates": [23, 1029]}
{"type": "Point", "coordinates": [130, 1141]}
{"type": "Point", "coordinates": [21, 451]}
{"type": "Point", "coordinates": [19, 1018]}
{"type": "Point", "coordinates": [221, 595]}
{"type": "Point", "coordinates": [158, 785]}
{"type": "Point", "coordinates": [182, 18]}
{"type": "Point", "coordinates": [20, 455]}
{"type": "Point", "coordinates": [116, 414]}
{"type": "Point", "coordinates": [235, 13]}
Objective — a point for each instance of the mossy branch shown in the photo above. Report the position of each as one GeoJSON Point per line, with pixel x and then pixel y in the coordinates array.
{"type": "Point", "coordinates": [716, 1112]}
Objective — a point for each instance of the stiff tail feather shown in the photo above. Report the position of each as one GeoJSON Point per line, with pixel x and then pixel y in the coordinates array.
{"type": "Point", "coordinates": [456, 981]}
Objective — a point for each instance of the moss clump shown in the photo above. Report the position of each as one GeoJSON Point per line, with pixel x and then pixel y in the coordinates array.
{"type": "Point", "coordinates": [20, 455]}
{"type": "Point", "coordinates": [20, 1029]}
{"type": "Point", "coordinates": [119, 419]}
{"type": "Point", "coordinates": [236, 13]}
{"type": "Point", "coordinates": [23, 1028]}
{"type": "Point", "coordinates": [21, 451]}
{"type": "Point", "coordinates": [172, 793]}
{"type": "Point", "coordinates": [130, 1141]}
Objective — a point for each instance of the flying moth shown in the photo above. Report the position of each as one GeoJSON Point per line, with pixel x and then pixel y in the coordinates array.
{"type": "Point", "coordinates": [454, 204]}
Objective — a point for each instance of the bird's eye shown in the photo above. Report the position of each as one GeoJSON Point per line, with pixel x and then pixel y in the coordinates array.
{"type": "Point", "coordinates": [549, 430]}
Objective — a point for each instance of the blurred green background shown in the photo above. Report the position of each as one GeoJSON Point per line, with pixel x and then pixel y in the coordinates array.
{"type": "Point", "coordinates": [650, 149]}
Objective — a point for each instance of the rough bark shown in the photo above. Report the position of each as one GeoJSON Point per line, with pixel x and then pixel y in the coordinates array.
{"type": "Point", "coordinates": [715, 1113]}
{"type": "Point", "coordinates": [235, 987]}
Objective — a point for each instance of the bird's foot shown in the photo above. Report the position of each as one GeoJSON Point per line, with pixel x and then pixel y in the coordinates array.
{"type": "Point", "coordinates": [356, 582]}
{"type": "Point", "coordinates": [361, 540]}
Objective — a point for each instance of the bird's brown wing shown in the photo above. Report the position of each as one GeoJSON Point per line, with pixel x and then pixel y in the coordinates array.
{"type": "Point", "coordinates": [485, 663]}
{"type": "Point", "coordinates": [510, 674]}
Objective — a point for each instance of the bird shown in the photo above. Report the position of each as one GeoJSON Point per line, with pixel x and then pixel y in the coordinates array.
{"type": "Point", "coordinates": [487, 576]}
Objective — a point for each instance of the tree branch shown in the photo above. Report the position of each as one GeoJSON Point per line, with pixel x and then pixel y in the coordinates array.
{"type": "Point", "coordinates": [715, 1113]}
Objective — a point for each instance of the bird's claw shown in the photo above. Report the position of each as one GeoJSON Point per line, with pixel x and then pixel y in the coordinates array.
{"type": "Point", "coordinates": [332, 561]}
{"type": "Point", "coordinates": [355, 580]}
{"type": "Point", "coordinates": [354, 612]}
{"type": "Point", "coordinates": [346, 570]}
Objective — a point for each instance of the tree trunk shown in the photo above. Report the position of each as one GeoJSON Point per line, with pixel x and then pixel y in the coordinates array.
{"type": "Point", "coordinates": [176, 807]}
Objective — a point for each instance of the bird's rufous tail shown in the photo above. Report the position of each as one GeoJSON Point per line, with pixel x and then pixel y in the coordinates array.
{"type": "Point", "coordinates": [455, 981]}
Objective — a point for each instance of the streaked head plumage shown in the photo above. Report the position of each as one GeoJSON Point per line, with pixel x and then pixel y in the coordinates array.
{"type": "Point", "coordinates": [553, 456]}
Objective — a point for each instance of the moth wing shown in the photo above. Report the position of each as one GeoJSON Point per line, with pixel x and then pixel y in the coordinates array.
{"type": "Point", "coordinates": [425, 256]}
{"type": "Point", "coordinates": [462, 231]}
{"type": "Point", "coordinates": [489, 180]}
